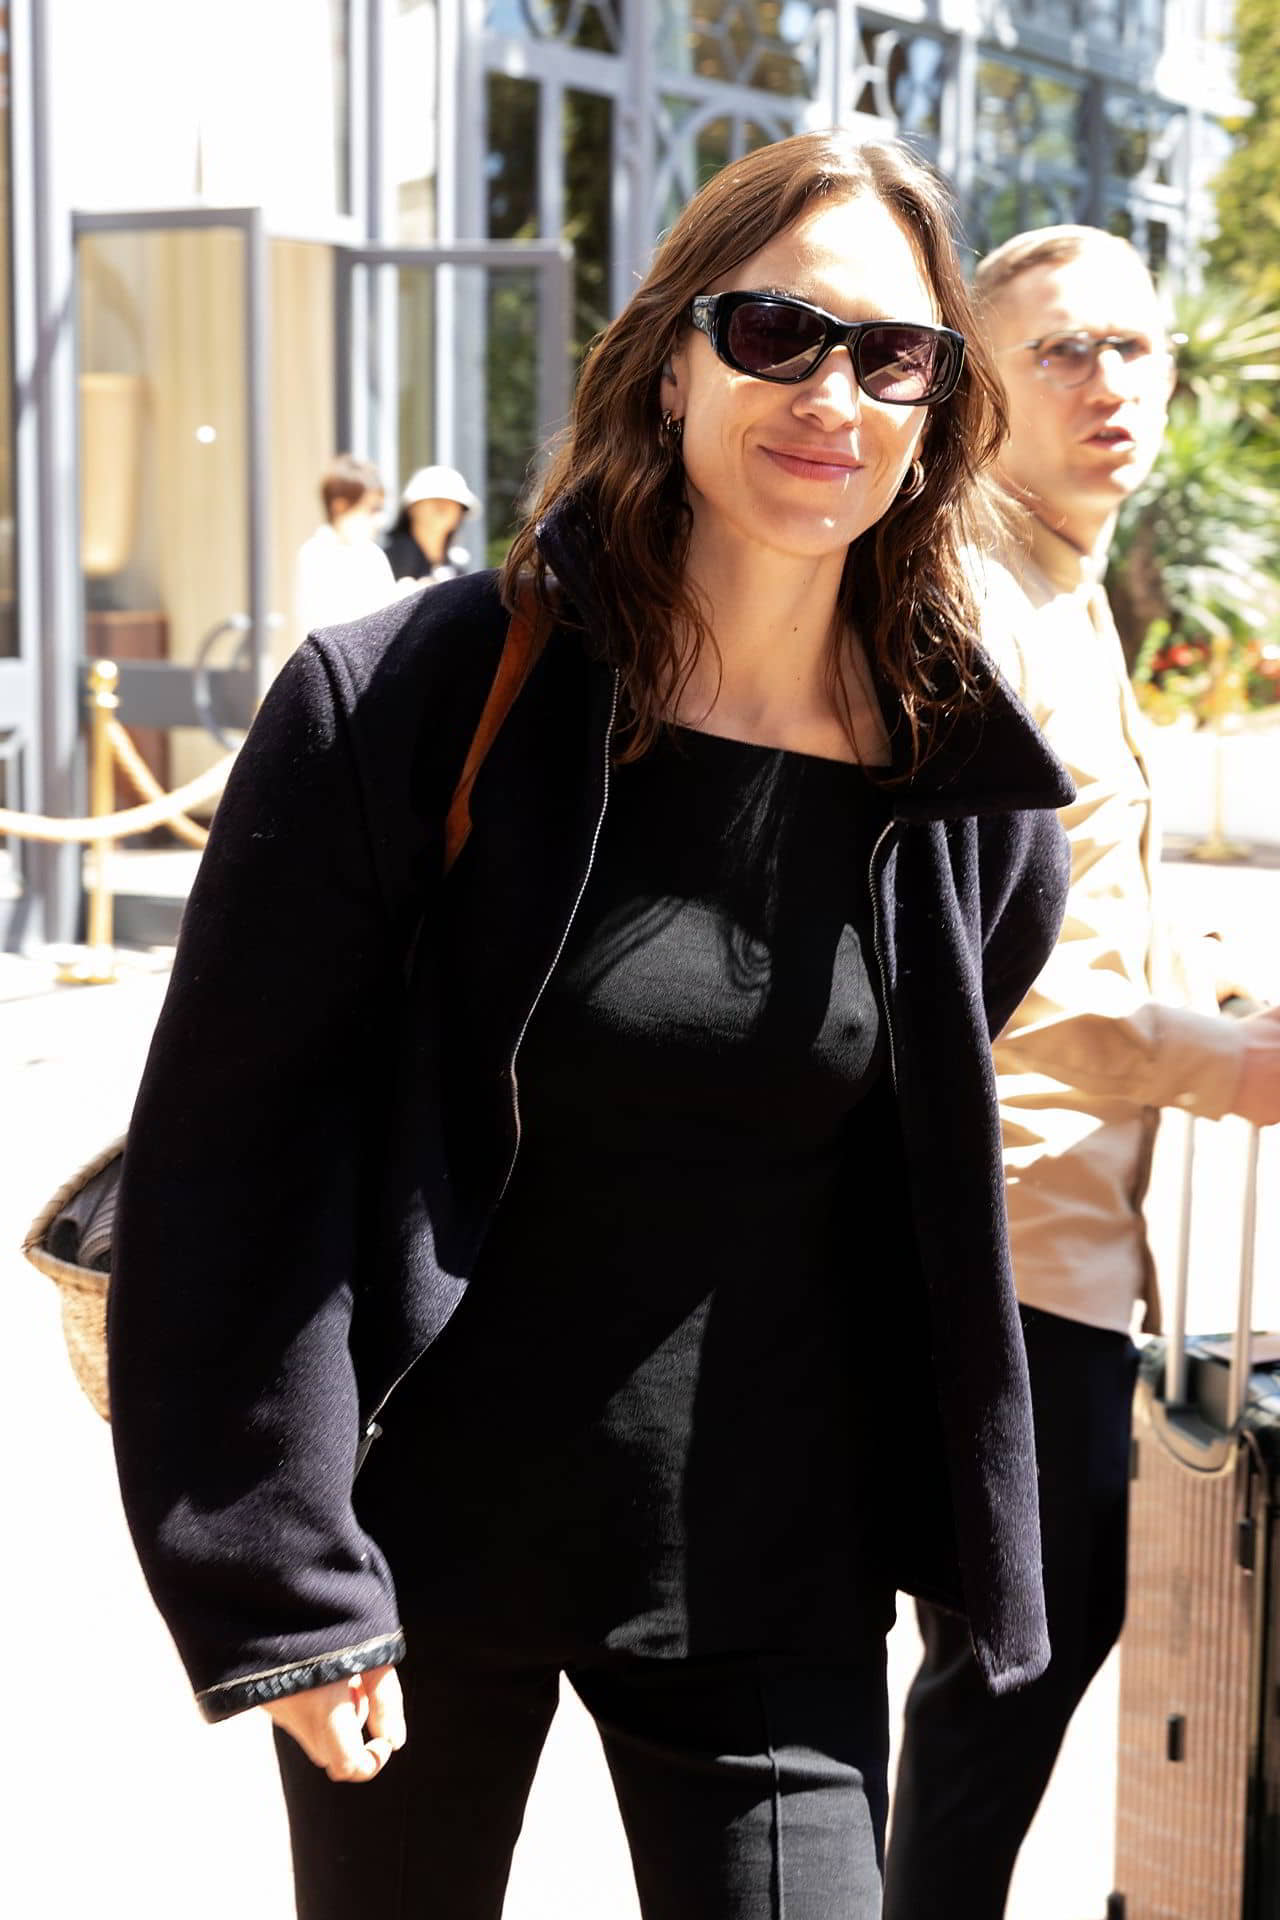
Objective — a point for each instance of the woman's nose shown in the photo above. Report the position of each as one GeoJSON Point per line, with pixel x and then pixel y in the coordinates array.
{"type": "Point", "coordinates": [832, 393]}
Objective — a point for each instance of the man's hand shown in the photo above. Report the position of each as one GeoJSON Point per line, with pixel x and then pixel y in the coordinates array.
{"type": "Point", "coordinates": [329, 1723]}
{"type": "Point", "coordinates": [1258, 1094]}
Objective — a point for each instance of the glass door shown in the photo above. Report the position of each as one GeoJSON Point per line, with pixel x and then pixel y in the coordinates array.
{"type": "Point", "coordinates": [171, 318]}
{"type": "Point", "coordinates": [456, 356]}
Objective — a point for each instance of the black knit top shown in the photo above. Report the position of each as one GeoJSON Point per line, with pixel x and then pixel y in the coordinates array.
{"type": "Point", "coordinates": [654, 1422]}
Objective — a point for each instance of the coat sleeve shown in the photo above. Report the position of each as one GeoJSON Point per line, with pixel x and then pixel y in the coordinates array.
{"type": "Point", "coordinates": [233, 1394]}
{"type": "Point", "coordinates": [1084, 1023]}
{"type": "Point", "coordinates": [1026, 868]}
{"type": "Point", "coordinates": [1087, 1026]}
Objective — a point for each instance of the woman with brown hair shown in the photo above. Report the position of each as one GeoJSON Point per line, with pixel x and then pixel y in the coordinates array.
{"type": "Point", "coordinates": [638, 1178]}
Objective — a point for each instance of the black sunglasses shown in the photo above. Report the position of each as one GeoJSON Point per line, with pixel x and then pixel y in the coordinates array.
{"type": "Point", "coordinates": [773, 336]}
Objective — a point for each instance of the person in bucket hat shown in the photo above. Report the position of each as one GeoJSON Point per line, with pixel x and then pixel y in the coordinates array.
{"type": "Point", "coordinates": [420, 542]}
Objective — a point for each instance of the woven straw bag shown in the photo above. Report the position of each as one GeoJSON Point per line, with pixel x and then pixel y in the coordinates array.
{"type": "Point", "coordinates": [70, 1238]}
{"type": "Point", "coordinates": [70, 1241]}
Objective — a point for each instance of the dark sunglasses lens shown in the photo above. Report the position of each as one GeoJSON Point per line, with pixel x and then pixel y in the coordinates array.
{"type": "Point", "coordinates": [905, 365]}
{"type": "Point", "coordinates": [780, 343]}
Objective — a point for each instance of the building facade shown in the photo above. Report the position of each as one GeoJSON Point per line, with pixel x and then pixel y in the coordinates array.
{"type": "Point", "coordinates": [235, 239]}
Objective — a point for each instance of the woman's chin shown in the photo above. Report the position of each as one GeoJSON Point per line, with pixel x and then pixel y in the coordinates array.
{"type": "Point", "coordinates": [778, 524]}
{"type": "Point", "coordinates": [809, 537]}
{"type": "Point", "coordinates": [812, 528]}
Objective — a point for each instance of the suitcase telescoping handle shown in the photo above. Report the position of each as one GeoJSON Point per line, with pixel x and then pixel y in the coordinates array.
{"type": "Point", "coordinates": [1175, 1378]}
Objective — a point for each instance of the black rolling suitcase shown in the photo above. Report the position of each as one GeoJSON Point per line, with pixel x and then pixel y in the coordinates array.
{"type": "Point", "coordinates": [1198, 1790]}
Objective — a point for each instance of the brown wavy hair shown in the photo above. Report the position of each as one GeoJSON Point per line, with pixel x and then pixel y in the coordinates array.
{"type": "Point", "coordinates": [906, 589]}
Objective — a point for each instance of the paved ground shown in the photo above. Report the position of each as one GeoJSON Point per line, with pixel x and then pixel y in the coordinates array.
{"type": "Point", "coordinates": [120, 1801]}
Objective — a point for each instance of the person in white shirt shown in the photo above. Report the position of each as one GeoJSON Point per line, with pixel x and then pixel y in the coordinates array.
{"type": "Point", "coordinates": [342, 573]}
{"type": "Point", "coordinates": [1115, 1028]}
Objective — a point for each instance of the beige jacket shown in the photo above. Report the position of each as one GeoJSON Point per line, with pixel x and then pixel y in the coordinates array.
{"type": "Point", "coordinates": [1118, 1025]}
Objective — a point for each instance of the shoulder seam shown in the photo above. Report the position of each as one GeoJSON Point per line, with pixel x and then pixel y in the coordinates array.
{"type": "Point", "coordinates": [335, 672]}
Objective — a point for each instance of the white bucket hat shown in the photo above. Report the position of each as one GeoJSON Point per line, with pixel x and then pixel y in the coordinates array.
{"type": "Point", "coordinates": [438, 483]}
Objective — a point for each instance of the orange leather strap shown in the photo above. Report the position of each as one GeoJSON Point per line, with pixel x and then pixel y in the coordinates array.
{"type": "Point", "coordinates": [526, 637]}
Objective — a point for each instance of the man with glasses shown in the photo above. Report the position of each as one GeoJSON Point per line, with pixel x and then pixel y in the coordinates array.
{"type": "Point", "coordinates": [1112, 1031]}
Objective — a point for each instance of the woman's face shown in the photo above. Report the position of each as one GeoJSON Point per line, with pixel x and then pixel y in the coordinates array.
{"type": "Point", "coordinates": [433, 524]}
{"type": "Point", "coordinates": [804, 469]}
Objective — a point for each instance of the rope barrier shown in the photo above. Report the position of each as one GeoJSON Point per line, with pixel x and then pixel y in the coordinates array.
{"type": "Point", "coordinates": [145, 784]}
{"type": "Point", "coordinates": [116, 826]}
{"type": "Point", "coordinates": [110, 748]}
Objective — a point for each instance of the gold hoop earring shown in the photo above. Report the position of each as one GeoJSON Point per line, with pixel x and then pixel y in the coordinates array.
{"type": "Point", "coordinates": [913, 486]}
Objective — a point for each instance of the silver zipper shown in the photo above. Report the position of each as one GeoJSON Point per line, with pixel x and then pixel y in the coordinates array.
{"type": "Point", "coordinates": [568, 928]}
{"type": "Point", "coordinates": [885, 831]}
{"type": "Point", "coordinates": [371, 1430]}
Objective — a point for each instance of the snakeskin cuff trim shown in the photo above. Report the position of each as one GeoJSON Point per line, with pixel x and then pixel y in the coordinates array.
{"type": "Point", "coordinates": [260, 1689]}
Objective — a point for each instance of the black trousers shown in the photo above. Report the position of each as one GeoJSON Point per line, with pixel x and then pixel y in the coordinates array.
{"type": "Point", "coordinates": [974, 1767]}
{"type": "Point", "coordinates": [750, 1789]}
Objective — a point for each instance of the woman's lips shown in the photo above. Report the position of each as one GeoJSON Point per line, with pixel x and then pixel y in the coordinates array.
{"type": "Point", "coordinates": [813, 466]}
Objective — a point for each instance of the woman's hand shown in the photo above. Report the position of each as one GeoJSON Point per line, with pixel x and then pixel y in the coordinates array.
{"type": "Point", "coordinates": [329, 1723]}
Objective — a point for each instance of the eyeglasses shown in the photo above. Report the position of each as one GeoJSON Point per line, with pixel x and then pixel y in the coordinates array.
{"type": "Point", "coordinates": [773, 336]}
{"type": "Point", "coordinates": [1071, 359]}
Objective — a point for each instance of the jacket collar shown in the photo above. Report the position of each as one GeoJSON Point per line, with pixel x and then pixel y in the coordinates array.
{"type": "Point", "coordinates": [990, 758]}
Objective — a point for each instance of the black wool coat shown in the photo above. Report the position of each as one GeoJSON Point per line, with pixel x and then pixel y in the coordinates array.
{"type": "Point", "coordinates": [326, 1122]}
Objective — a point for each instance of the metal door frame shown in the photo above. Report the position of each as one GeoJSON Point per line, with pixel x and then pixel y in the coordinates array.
{"type": "Point", "coordinates": [42, 741]}
{"type": "Point", "coordinates": [365, 346]}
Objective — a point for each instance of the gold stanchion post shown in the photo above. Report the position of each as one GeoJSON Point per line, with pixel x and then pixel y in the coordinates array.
{"type": "Point", "coordinates": [98, 967]}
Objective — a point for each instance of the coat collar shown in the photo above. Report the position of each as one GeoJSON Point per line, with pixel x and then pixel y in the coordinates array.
{"type": "Point", "coordinates": [990, 758]}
